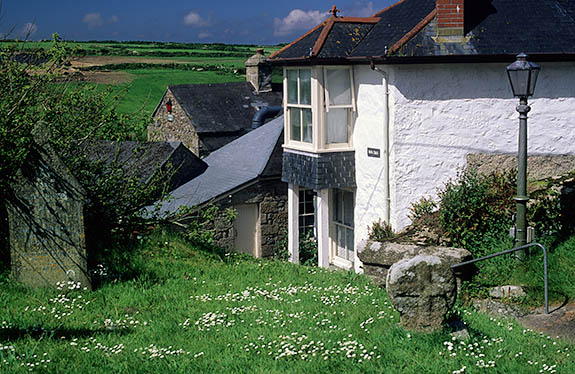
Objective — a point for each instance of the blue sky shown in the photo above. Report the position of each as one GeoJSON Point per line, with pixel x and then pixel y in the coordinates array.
{"type": "Point", "coordinates": [251, 21]}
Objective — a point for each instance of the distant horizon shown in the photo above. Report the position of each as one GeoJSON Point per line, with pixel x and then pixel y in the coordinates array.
{"type": "Point", "coordinates": [13, 40]}
{"type": "Point", "coordinates": [216, 22]}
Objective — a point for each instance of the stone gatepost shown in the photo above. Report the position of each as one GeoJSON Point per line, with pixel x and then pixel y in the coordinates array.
{"type": "Point", "coordinates": [46, 220]}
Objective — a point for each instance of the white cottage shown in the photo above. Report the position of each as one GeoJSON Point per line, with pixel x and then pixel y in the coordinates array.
{"type": "Point", "coordinates": [381, 111]}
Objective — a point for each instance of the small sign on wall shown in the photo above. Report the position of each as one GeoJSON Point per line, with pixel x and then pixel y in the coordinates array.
{"type": "Point", "coordinates": [171, 117]}
{"type": "Point", "coordinates": [373, 152]}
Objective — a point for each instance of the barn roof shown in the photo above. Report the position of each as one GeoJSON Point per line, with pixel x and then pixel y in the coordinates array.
{"type": "Point", "coordinates": [223, 107]}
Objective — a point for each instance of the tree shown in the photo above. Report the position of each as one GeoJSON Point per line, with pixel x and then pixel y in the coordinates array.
{"type": "Point", "coordinates": [76, 115]}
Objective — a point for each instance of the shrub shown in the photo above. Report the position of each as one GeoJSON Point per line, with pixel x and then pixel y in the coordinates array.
{"type": "Point", "coordinates": [380, 231]}
{"type": "Point", "coordinates": [424, 207]}
{"type": "Point", "coordinates": [307, 248]}
{"type": "Point", "coordinates": [474, 209]}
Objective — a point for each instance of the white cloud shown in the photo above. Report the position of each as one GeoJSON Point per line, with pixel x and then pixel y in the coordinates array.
{"type": "Point", "coordinates": [298, 20]}
{"type": "Point", "coordinates": [359, 9]}
{"type": "Point", "coordinates": [194, 19]}
{"type": "Point", "coordinates": [93, 19]}
{"type": "Point", "coordinates": [113, 19]}
{"type": "Point", "coordinates": [204, 35]}
{"type": "Point", "coordinates": [28, 30]}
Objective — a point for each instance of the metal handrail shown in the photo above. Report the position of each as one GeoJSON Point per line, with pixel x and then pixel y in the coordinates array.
{"type": "Point", "coordinates": [511, 251]}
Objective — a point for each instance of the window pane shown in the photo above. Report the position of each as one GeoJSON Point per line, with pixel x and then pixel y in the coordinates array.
{"type": "Point", "coordinates": [295, 122]}
{"type": "Point", "coordinates": [348, 208]}
{"type": "Point", "coordinates": [336, 129]}
{"type": "Point", "coordinates": [339, 86]}
{"type": "Point", "coordinates": [349, 244]}
{"type": "Point", "coordinates": [341, 251]}
{"type": "Point", "coordinates": [307, 128]}
{"type": "Point", "coordinates": [292, 86]}
{"type": "Point", "coordinates": [337, 206]}
{"type": "Point", "coordinates": [305, 86]}
{"type": "Point", "coordinates": [308, 221]}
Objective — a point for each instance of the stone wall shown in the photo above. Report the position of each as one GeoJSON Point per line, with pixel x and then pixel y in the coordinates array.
{"type": "Point", "coordinates": [46, 219]}
{"type": "Point", "coordinates": [538, 167]}
{"type": "Point", "coordinates": [271, 195]}
{"type": "Point", "coordinates": [180, 129]}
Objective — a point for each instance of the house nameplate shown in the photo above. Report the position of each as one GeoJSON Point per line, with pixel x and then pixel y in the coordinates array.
{"type": "Point", "coordinates": [373, 152]}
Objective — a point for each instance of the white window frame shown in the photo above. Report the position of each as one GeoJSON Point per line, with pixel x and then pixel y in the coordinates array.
{"type": "Point", "coordinates": [302, 199]}
{"type": "Point", "coordinates": [335, 259]}
{"type": "Point", "coordinates": [287, 117]}
{"type": "Point", "coordinates": [352, 110]}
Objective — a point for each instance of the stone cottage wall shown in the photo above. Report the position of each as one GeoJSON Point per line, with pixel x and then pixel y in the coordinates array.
{"type": "Point", "coordinates": [272, 199]}
{"type": "Point", "coordinates": [180, 129]}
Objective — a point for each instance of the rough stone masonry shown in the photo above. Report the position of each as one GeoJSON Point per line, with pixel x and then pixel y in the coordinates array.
{"type": "Point", "coordinates": [46, 219]}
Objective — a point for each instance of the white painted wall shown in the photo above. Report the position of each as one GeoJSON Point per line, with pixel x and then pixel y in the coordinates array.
{"type": "Point", "coordinates": [368, 132]}
{"type": "Point", "coordinates": [440, 113]}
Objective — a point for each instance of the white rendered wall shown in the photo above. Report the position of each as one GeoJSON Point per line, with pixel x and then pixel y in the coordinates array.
{"type": "Point", "coordinates": [368, 132]}
{"type": "Point", "coordinates": [440, 113]}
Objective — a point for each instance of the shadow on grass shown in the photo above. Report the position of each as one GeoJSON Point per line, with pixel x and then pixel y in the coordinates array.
{"type": "Point", "coordinates": [39, 333]}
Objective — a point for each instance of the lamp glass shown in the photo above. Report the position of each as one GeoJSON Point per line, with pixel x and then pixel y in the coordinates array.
{"type": "Point", "coordinates": [523, 76]}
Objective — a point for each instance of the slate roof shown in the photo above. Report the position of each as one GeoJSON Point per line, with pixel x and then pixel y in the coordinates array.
{"type": "Point", "coordinates": [232, 166]}
{"type": "Point", "coordinates": [144, 159]}
{"type": "Point", "coordinates": [223, 107]}
{"type": "Point", "coordinates": [407, 31]}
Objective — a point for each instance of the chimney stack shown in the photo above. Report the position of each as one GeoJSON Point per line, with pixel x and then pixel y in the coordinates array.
{"type": "Point", "coordinates": [450, 17]}
{"type": "Point", "coordinates": [259, 72]}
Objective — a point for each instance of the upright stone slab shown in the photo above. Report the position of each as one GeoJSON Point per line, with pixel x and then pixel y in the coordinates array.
{"type": "Point", "coordinates": [46, 219]}
{"type": "Point", "coordinates": [423, 290]}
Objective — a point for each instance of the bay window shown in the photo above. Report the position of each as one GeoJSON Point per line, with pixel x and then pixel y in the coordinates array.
{"type": "Point", "coordinates": [320, 107]}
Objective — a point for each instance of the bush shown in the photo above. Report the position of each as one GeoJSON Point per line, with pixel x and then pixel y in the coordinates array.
{"type": "Point", "coordinates": [380, 231]}
{"type": "Point", "coordinates": [474, 210]}
{"type": "Point", "coordinates": [307, 249]}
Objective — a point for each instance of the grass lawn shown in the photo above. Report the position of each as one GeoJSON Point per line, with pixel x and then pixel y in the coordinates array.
{"type": "Point", "coordinates": [193, 312]}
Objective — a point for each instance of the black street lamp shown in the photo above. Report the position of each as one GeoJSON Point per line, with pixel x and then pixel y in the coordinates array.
{"type": "Point", "coordinates": [523, 77]}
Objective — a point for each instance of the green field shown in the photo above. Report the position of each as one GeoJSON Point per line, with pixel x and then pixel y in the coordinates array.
{"type": "Point", "coordinates": [193, 312]}
{"type": "Point", "coordinates": [149, 85]}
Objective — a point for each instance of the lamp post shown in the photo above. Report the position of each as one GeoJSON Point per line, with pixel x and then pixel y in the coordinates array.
{"type": "Point", "coordinates": [523, 77]}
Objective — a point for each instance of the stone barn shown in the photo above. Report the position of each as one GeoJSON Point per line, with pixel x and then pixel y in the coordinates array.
{"type": "Point", "coordinates": [205, 117]}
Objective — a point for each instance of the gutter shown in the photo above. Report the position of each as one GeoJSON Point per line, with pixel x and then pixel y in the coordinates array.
{"type": "Point", "coordinates": [386, 174]}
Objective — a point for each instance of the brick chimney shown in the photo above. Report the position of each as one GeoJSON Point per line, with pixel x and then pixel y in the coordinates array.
{"type": "Point", "coordinates": [259, 72]}
{"type": "Point", "coordinates": [450, 17]}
